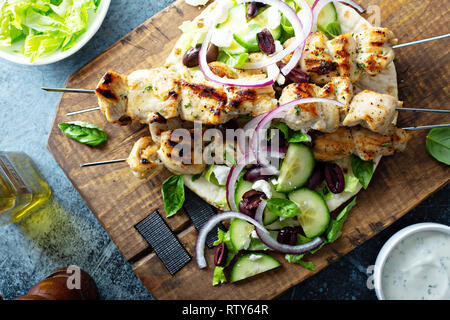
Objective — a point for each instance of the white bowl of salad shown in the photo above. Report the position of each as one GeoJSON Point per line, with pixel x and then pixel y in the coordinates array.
{"type": "Point", "coordinates": [39, 32]}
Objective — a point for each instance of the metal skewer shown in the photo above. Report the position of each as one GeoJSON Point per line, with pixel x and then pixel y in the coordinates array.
{"type": "Point", "coordinates": [427, 127]}
{"type": "Point", "coordinates": [82, 111]}
{"type": "Point", "coordinates": [423, 110]}
{"type": "Point", "coordinates": [421, 41]}
{"type": "Point", "coordinates": [74, 90]}
{"type": "Point", "coordinates": [91, 164]}
{"type": "Point", "coordinates": [67, 90]}
{"type": "Point", "coordinates": [398, 109]}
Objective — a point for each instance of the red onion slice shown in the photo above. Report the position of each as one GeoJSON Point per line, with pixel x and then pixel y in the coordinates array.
{"type": "Point", "coordinates": [275, 245]}
{"type": "Point", "coordinates": [249, 129]}
{"type": "Point", "coordinates": [307, 13]}
{"type": "Point", "coordinates": [209, 75]}
{"type": "Point", "coordinates": [212, 223]}
{"type": "Point", "coordinates": [232, 179]}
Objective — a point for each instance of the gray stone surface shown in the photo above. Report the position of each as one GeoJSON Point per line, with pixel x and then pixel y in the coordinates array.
{"type": "Point", "coordinates": [66, 232]}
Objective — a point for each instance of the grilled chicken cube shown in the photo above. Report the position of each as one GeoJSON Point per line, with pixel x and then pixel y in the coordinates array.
{"type": "Point", "coordinates": [369, 145]}
{"type": "Point", "coordinates": [318, 116]}
{"type": "Point", "coordinates": [372, 110]}
{"type": "Point", "coordinates": [153, 91]}
{"type": "Point", "coordinates": [210, 103]}
{"type": "Point", "coordinates": [250, 100]}
{"type": "Point", "coordinates": [204, 103]}
{"type": "Point", "coordinates": [159, 124]}
{"type": "Point", "coordinates": [344, 52]}
{"type": "Point", "coordinates": [359, 141]}
{"type": "Point", "coordinates": [374, 50]}
{"type": "Point", "coordinates": [112, 93]}
{"type": "Point", "coordinates": [341, 90]}
{"type": "Point", "coordinates": [181, 153]}
{"type": "Point", "coordinates": [333, 146]}
{"type": "Point", "coordinates": [143, 159]}
{"type": "Point", "coordinates": [316, 61]}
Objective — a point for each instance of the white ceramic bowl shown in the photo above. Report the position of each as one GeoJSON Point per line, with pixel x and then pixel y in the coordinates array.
{"type": "Point", "coordinates": [392, 242]}
{"type": "Point", "coordinates": [58, 56]}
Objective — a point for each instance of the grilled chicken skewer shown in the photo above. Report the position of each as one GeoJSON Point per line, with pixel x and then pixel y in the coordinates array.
{"type": "Point", "coordinates": [148, 95]}
{"type": "Point", "coordinates": [345, 58]}
{"type": "Point", "coordinates": [349, 54]}
{"type": "Point", "coordinates": [372, 110]}
{"type": "Point", "coordinates": [147, 157]}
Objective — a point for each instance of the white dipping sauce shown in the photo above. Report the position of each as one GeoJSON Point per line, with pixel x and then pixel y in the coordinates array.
{"type": "Point", "coordinates": [418, 268]}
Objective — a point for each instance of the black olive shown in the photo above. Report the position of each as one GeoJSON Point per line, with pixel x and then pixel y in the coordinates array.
{"type": "Point", "coordinates": [220, 257]}
{"type": "Point", "coordinates": [335, 178]}
{"type": "Point", "coordinates": [256, 174]}
{"type": "Point", "coordinates": [287, 235]}
{"type": "Point", "coordinates": [191, 57]}
{"type": "Point", "coordinates": [266, 42]}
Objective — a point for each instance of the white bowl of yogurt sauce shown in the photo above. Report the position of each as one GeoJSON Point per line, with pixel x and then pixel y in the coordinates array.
{"type": "Point", "coordinates": [414, 264]}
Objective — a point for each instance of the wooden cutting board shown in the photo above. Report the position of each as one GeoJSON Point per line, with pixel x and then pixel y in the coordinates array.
{"type": "Point", "coordinates": [120, 201]}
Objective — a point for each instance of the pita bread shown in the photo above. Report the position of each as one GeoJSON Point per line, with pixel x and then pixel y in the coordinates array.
{"type": "Point", "coordinates": [351, 21]}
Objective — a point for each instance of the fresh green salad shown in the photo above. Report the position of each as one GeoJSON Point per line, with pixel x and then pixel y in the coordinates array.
{"type": "Point", "coordinates": [37, 28]}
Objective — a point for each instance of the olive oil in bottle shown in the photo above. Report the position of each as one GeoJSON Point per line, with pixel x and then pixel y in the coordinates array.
{"type": "Point", "coordinates": [22, 187]}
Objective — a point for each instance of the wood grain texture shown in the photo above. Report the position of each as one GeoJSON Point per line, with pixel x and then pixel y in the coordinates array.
{"type": "Point", "coordinates": [120, 201]}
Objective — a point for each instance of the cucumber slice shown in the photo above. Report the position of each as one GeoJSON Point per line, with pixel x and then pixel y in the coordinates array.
{"type": "Point", "coordinates": [242, 186]}
{"type": "Point", "coordinates": [315, 216]}
{"type": "Point", "coordinates": [244, 32]}
{"type": "Point", "coordinates": [247, 38]}
{"type": "Point", "coordinates": [240, 233]}
{"type": "Point", "coordinates": [327, 21]}
{"type": "Point", "coordinates": [296, 169]}
{"type": "Point", "coordinates": [247, 266]}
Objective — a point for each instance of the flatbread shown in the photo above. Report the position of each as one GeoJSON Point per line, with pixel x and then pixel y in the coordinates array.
{"type": "Point", "coordinates": [351, 21]}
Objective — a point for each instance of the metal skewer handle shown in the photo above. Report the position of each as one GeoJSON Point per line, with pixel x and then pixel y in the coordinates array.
{"type": "Point", "coordinates": [424, 110]}
{"type": "Point", "coordinates": [68, 90]}
{"type": "Point", "coordinates": [91, 164]}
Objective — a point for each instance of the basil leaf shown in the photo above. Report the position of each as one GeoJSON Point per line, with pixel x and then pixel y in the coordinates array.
{"type": "Point", "coordinates": [335, 228]}
{"type": "Point", "coordinates": [84, 132]}
{"type": "Point", "coordinates": [298, 136]}
{"type": "Point", "coordinates": [173, 194]}
{"type": "Point", "coordinates": [363, 170]}
{"type": "Point", "coordinates": [195, 177]}
{"type": "Point", "coordinates": [438, 144]}
{"type": "Point", "coordinates": [283, 208]}
{"type": "Point", "coordinates": [282, 127]}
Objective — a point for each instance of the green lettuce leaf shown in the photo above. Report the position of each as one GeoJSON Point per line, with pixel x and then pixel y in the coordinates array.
{"type": "Point", "coordinates": [219, 276]}
{"type": "Point", "coordinates": [44, 25]}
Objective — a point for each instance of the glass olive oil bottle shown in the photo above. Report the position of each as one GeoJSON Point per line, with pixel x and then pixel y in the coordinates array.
{"type": "Point", "coordinates": [22, 187]}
